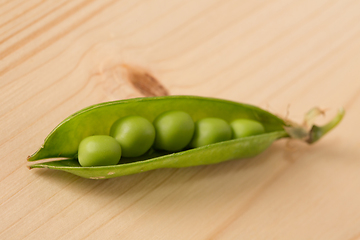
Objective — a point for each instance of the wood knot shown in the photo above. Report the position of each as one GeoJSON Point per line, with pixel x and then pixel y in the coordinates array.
{"type": "Point", "coordinates": [144, 82]}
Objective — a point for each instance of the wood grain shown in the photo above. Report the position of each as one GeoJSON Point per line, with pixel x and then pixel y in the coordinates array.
{"type": "Point", "coordinates": [57, 57]}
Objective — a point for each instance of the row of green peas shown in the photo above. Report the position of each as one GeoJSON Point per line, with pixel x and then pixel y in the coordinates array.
{"type": "Point", "coordinates": [133, 136]}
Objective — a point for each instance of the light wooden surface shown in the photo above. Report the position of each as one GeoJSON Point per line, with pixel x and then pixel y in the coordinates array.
{"type": "Point", "coordinates": [57, 57]}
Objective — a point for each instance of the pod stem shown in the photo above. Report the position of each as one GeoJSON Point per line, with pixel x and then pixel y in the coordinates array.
{"type": "Point", "coordinates": [309, 132]}
{"type": "Point", "coordinates": [317, 132]}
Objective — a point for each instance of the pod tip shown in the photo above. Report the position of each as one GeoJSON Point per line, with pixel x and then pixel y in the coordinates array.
{"type": "Point", "coordinates": [309, 132]}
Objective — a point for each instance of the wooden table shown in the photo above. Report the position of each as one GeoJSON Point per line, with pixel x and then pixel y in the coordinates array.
{"type": "Point", "coordinates": [58, 57]}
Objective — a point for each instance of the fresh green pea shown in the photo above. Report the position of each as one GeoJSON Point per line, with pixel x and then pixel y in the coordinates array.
{"type": "Point", "coordinates": [99, 150]}
{"type": "Point", "coordinates": [246, 127]}
{"type": "Point", "coordinates": [174, 130]}
{"type": "Point", "coordinates": [63, 142]}
{"type": "Point", "coordinates": [135, 134]}
{"type": "Point", "coordinates": [210, 130]}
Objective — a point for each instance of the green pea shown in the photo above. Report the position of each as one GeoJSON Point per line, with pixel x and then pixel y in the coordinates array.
{"type": "Point", "coordinates": [174, 130]}
{"type": "Point", "coordinates": [210, 130]}
{"type": "Point", "coordinates": [63, 141]}
{"type": "Point", "coordinates": [135, 134]}
{"type": "Point", "coordinates": [99, 150]}
{"type": "Point", "coordinates": [246, 127]}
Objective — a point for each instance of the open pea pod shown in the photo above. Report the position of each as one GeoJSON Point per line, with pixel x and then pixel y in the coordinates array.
{"type": "Point", "coordinates": [62, 143]}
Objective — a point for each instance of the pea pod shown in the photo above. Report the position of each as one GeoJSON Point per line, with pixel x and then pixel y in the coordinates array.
{"type": "Point", "coordinates": [62, 143]}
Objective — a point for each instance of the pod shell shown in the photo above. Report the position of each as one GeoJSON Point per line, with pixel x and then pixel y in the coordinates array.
{"type": "Point", "coordinates": [64, 140]}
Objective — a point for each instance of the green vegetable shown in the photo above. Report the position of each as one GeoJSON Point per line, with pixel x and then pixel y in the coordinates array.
{"type": "Point", "coordinates": [99, 150]}
{"type": "Point", "coordinates": [174, 130]}
{"type": "Point", "coordinates": [246, 127]}
{"type": "Point", "coordinates": [64, 140]}
{"type": "Point", "coordinates": [209, 131]}
{"type": "Point", "coordinates": [135, 134]}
